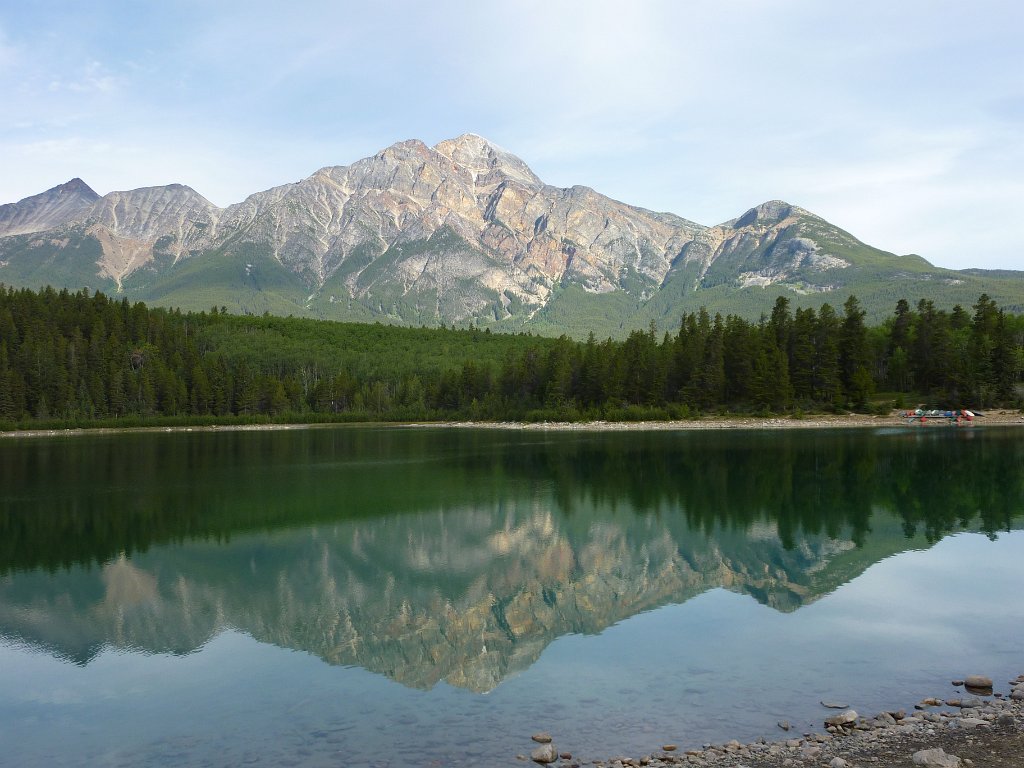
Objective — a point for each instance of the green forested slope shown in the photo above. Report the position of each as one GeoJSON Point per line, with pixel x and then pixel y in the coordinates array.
{"type": "Point", "coordinates": [83, 358]}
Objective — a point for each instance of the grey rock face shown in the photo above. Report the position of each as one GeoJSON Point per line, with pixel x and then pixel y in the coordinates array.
{"type": "Point", "coordinates": [462, 229]}
{"type": "Point", "coordinates": [48, 209]}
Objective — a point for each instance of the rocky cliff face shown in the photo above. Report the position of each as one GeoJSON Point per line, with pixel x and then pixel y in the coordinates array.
{"type": "Point", "coordinates": [460, 231]}
{"type": "Point", "coordinates": [485, 218]}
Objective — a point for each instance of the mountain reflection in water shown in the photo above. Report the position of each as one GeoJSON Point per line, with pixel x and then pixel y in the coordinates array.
{"type": "Point", "coordinates": [431, 554]}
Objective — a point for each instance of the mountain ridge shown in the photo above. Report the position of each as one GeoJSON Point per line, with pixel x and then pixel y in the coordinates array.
{"type": "Point", "coordinates": [461, 232]}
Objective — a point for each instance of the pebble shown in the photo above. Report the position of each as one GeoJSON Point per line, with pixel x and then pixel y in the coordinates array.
{"type": "Point", "coordinates": [542, 738]}
{"type": "Point", "coordinates": [833, 705]}
{"type": "Point", "coordinates": [669, 747]}
{"type": "Point", "coordinates": [838, 762]}
{"type": "Point", "coordinates": [784, 725]}
{"type": "Point", "coordinates": [978, 681]}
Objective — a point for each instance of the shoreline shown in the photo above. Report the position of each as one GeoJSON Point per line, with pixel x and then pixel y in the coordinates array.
{"type": "Point", "coordinates": [999, 418]}
{"type": "Point", "coordinates": [820, 421]}
{"type": "Point", "coordinates": [970, 728]}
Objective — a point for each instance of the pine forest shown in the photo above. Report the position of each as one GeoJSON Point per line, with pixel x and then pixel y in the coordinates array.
{"type": "Point", "coordinates": [79, 359]}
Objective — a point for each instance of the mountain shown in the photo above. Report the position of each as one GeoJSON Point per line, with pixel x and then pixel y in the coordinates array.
{"type": "Point", "coordinates": [460, 232]}
{"type": "Point", "coordinates": [48, 209]}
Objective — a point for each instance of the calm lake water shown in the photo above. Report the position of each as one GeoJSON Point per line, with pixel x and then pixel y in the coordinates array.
{"type": "Point", "coordinates": [428, 597]}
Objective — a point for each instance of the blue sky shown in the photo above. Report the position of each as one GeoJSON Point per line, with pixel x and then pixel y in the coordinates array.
{"type": "Point", "coordinates": [902, 122]}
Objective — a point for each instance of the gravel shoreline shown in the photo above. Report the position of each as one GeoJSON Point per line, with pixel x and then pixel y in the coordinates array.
{"type": "Point", "coordinates": [818, 421]}
{"type": "Point", "coordinates": [975, 728]}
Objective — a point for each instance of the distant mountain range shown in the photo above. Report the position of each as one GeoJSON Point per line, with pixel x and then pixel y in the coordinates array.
{"type": "Point", "coordinates": [462, 232]}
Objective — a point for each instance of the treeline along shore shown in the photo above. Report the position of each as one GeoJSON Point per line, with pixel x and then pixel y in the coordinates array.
{"type": "Point", "coordinates": [80, 359]}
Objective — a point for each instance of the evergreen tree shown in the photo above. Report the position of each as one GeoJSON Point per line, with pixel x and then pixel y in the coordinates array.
{"type": "Point", "coordinates": [853, 355]}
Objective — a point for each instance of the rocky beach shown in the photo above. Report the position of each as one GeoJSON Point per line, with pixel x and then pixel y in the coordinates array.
{"type": "Point", "coordinates": [997, 418]}
{"type": "Point", "coordinates": [810, 421]}
{"type": "Point", "coordinates": [974, 726]}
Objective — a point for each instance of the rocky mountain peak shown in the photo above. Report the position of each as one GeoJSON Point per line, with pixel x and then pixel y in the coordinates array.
{"type": "Point", "coordinates": [405, 149]}
{"type": "Point", "coordinates": [150, 212]}
{"type": "Point", "coordinates": [52, 208]}
{"type": "Point", "coordinates": [484, 159]}
{"type": "Point", "coordinates": [418, 234]}
{"type": "Point", "coordinates": [75, 187]}
{"type": "Point", "coordinates": [767, 214]}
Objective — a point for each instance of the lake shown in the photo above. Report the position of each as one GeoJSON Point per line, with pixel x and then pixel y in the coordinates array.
{"type": "Point", "coordinates": [432, 597]}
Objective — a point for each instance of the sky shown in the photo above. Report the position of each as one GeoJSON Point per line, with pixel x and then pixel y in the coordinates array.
{"type": "Point", "coordinates": [901, 122]}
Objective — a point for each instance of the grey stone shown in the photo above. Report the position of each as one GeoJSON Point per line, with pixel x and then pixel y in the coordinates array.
{"type": "Point", "coordinates": [838, 762]}
{"type": "Point", "coordinates": [843, 718]}
{"type": "Point", "coordinates": [543, 754]}
{"type": "Point", "coordinates": [784, 725]}
{"type": "Point", "coordinates": [833, 705]}
{"type": "Point", "coordinates": [936, 758]}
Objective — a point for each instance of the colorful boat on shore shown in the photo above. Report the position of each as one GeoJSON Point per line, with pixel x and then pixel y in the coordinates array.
{"type": "Point", "coordinates": [957, 416]}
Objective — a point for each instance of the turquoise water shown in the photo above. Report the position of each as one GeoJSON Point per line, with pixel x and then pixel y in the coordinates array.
{"type": "Point", "coordinates": [433, 597]}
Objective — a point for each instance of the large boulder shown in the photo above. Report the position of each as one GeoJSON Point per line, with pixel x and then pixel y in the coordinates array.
{"type": "Point", "coordinates": [544, 754]}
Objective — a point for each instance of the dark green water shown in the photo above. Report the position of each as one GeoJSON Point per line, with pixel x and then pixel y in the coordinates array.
{"type": "Point", "coordinates": [433, 597]}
